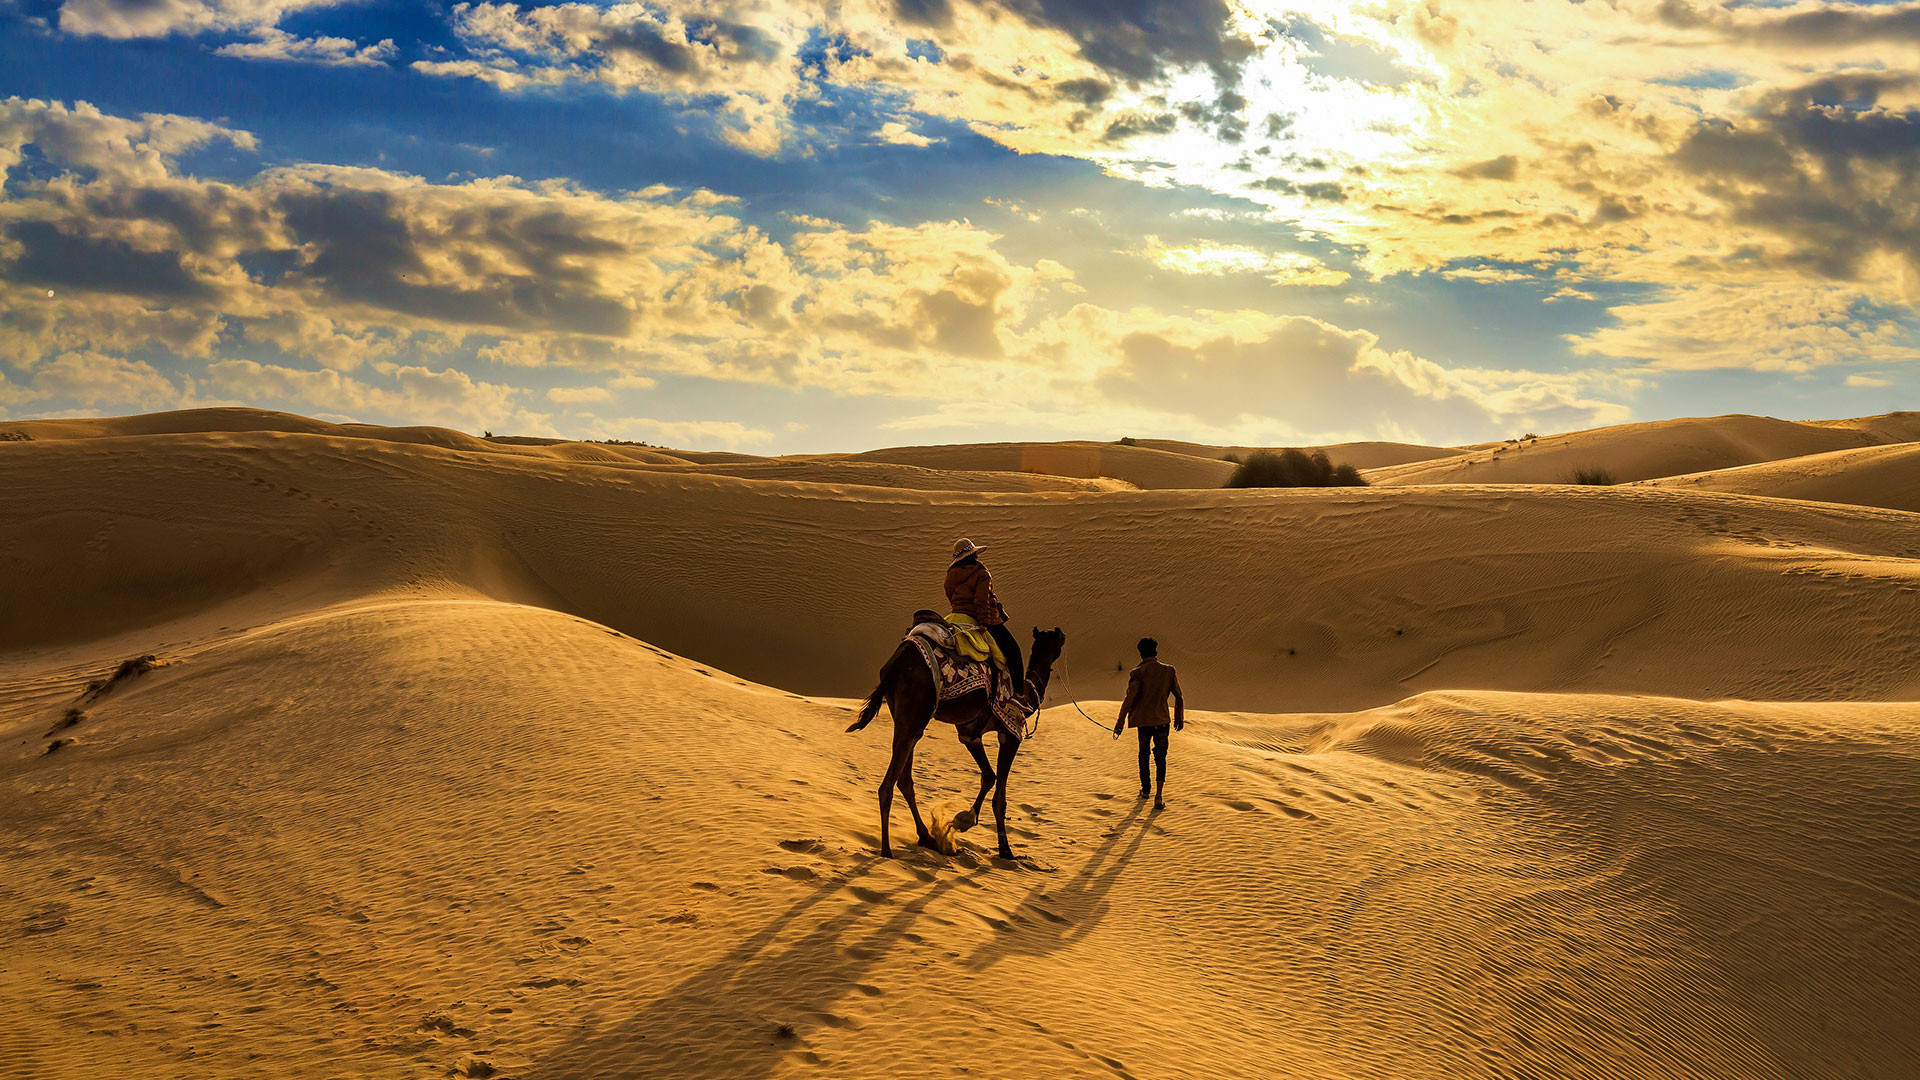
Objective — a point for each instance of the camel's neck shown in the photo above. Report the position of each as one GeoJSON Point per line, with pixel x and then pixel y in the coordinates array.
{"type": "Point", "coordinates": [1038, 676]}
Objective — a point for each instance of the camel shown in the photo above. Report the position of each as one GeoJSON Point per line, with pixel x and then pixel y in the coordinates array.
{"type": "Point", "coordinates": [906, 686]}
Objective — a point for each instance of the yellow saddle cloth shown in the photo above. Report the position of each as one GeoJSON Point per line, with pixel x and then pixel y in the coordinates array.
{"type": "Point", "coordinates": [974, 642]}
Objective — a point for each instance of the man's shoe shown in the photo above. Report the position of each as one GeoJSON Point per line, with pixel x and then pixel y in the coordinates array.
{"type": "Point", "coordinates": [1159, 804]}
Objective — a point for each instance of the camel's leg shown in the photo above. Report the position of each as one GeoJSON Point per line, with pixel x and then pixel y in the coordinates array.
{"type": "Point", "coordinates": [979, 753]}
{"type": "Point", "coordinates": [892, 777]}
{"type": "Point", "coordinates": [921, 835]}
{"type": "Point", "coordinates": [912, 706]}
{"type": "Point", "coordinates": [1008, 748]}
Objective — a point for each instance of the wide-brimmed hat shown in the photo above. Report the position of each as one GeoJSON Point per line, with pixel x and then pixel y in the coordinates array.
{"type": "Point", "coordinates": [963, 548]}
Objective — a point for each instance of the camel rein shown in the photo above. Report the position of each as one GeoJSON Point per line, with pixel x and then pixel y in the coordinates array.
{"type": "Point", "coordinates": [1066, 680]}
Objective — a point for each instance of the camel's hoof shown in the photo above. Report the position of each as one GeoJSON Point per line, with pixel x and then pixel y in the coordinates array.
{"type": "Point", "coordinates": [1006, 853]}
{"type": "Point", "coordinates": [886, 852]}
{"type": "Point", "coordinates": [964, 820]}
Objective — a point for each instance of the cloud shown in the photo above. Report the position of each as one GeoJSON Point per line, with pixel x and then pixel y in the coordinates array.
{"type": "Point", "coordinates": [159, 18]}
{"type": "Point", "coordinates": [1316, 376]}
{"type": "Point", "coordinates": [1280, 267]}
{"type": "Point", "coordinates": [397, 393]}
{"type": "Point", "coordinates": [899, 134]}
{"type": "Point", "coordinates": [96, 380]}
{"type": "Point", "coordinates": [274, 44]}
{"type": "Point", "coordinates": [1825, 167]}
{"type": "Point", "coordinates": [1792, 327]}
{"type": "Point", "coordinates": [1869, 381]}
{"type": "Point", "coordinates": [742, 57]}
{"type": "Point", "coordinates": [364, 292]}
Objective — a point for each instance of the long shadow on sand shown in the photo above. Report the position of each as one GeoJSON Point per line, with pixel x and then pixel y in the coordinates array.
{"type": "Point", "coordinates": [741, 1014]}
{"type": "Point", "coordinates": [1049, 919]}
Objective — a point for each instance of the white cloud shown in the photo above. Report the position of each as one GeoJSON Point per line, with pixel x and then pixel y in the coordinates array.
{"type": "Point", "coordinates": [275, 44]}
{"type": "Point", "coordinates": [94, 380]}
{"type": "Point", "coordinates": [159, 18]}
{"type": "Point", "coordinates": [577, 395]}
{"type": "Point", "coordinates": [1279, 267]}
{"type": "Point", "coordinates": [899, 134]}
{"type": "Point", "coordinates": [1874, 382]}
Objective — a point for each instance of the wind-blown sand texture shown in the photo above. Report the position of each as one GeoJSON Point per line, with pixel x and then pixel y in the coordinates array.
{"type": "Point", "coordinates": [477, 761]}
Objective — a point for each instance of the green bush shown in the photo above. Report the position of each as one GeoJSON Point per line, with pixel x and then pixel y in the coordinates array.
{"type": "Point", "coordinates": [1293, 468]}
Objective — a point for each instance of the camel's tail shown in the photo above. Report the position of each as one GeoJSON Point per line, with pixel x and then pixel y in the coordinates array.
{"type": "Point", "coordinates": [871, 708]}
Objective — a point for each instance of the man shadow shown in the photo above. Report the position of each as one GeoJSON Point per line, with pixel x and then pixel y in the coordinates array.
{"type": "Point", "coordinates": [1048, 919]}
{"type": "Point", "coordinates": [741, 1014]}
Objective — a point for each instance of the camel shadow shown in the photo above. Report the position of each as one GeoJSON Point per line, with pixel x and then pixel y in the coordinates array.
{"type": "Point", "coordinates": [1049, 919]}
{"type": "Point", "coordinates": [742, 1014]}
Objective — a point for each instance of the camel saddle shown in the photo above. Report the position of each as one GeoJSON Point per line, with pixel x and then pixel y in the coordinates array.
{"type": "Point", "coordinates": [956, 675]}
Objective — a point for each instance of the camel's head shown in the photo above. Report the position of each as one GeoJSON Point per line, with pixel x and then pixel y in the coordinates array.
{"type": "Point", "coordinates": [1048, 643]}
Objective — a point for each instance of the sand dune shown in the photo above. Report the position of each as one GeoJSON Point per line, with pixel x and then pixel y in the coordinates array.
{"type": "Point", "coordinates": [1283, 600]}
{"type": "Point", "coordinates": [1139, 466]}
{"type": "Point", "coordinates": [1886, 428]}
{"type": "Point", "coordinates": [1886, 476]}
{"type": "Point", "coordinates": [432, 838]}
{"type": "Point", "coordinates": [498, 762]}
{"type": "Point", "coordinates": [1360, 455]}
{"type": "Point", "coordinates": [239, 420]}
{"type": "Point", "coordinates": [811, 470]}
{"type": "Point", "coordinates": [1638, 451]}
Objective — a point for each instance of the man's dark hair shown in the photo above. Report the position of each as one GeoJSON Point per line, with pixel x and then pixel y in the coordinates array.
{"type": "Point", "coordinates": [1149, 647]}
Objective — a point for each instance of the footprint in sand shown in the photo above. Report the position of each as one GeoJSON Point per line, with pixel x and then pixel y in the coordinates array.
{"type": "Point", "coordinates": [1294, 812]}
{"type": "Point", "coordinates": [797, 873]}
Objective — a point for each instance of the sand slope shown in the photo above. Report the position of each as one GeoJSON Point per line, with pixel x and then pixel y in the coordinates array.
{"type": "Point", "coordinates": [420, 838]}
{"type": "Point", "coordinates": [243, 420]}
{"type": "Point", "coordinates": [1276, 600]}
{"type": "Point", "coordinates": [1136, 465]}
{"type": "Point", "coordinates": [1360, 455]}
{"type": "Point", "coordinates": [1887, 427]}
{"type": "Point", "coordinates": [810, 470]}
{"type": "Point", "coordinates": [1633, 451]}
{"type": "Point", "coordinates": [1886, 476]}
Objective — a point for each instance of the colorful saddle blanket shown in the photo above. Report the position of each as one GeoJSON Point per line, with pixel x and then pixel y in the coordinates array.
{"type": "Point", "coordinates": [957, 674]}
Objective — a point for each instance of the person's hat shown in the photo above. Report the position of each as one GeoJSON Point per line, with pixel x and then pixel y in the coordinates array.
{"type": "Point", "coordinates": [963, 548]}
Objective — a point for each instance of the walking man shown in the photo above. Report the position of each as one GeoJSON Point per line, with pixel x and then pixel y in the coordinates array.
{"type": "Point", "coordinates": [1145, 708]}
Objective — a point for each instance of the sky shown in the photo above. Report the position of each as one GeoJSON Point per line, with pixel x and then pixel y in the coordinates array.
{"type": "Point", "coordinates": [829, 225]}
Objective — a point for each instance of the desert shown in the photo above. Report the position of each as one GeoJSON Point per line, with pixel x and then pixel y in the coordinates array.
{"type": "Point", "coordinates": [978, 539]}
{"type": "Point", "coordinates": [456, 757]}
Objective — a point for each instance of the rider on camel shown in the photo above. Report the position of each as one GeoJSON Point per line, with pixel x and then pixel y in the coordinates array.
{"type": "Point", "coordinates": [970, 592]}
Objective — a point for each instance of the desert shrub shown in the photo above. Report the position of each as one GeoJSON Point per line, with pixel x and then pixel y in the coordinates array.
{"type": "Point", "coordinates": [15, 436]}
{"type": "Point", "coordinates": [1235, 458]}
{"type": "Point", "coordinates": [1292, 468]}
{"type": "Point", "coordinates": [1590, 475]}
{"type": "Point", "coordinates": [1127, 440]}
{"type": "Point", "coordinates": [128, 669]}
